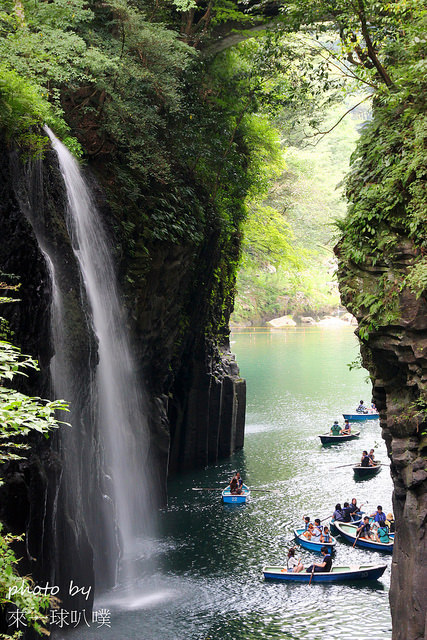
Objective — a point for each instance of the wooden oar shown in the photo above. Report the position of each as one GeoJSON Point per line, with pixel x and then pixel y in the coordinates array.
{"type": "Point", "coordinates": [327, 518]}
{"type": "Point", "coordinates": [311, 577]}
{"type": "Point", "coordinates": [346, 465]}
{"type": "Point", "coordinates": [357, 538]}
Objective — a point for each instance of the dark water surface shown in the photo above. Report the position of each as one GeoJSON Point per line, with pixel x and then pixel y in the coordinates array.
{"type": "Point", "coordinates": [204, 579]}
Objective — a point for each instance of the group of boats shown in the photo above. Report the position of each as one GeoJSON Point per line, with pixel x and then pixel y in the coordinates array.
{"type": "Point", "coordinates": [360, 472]}
{"type": "Point", "coordinates": [347, 531]}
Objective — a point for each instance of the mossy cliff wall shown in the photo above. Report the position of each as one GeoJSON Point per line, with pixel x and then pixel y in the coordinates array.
{"type": "Point", "coordinates": [396, 358]}
{"type": "Point", "coordinates": [178, 320]}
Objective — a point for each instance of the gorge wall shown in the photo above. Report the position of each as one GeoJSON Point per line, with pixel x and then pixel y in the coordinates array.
{"type": "Point", "coordinates": [396, 358]}
{"type": "Point", "coordinates": [194, 396]}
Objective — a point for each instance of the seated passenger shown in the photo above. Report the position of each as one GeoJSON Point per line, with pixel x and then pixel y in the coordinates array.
{"type": "Point", "coordinates": [381, 535]}
{"type": "Point", "coordinates": [373, 408]}
{"type": "Point", "coordinates": [309, 532]}
{"type": "Point", "coordinates": [326, 536]}
{"type": "Point", "coordinates": [364, 531]}
{"type": "Point", "coordinates": [292, 564]}
{"type": "Point", "coordinates": [320, 567]}
{"type": "Point", "coordinates": [338, 514]}
{"type": "Point", "coordinates": [361, 408]}
{"type": "Point", "coordinates": [390, 523]}
{"type": "Point", "coordinates": [233, 486]}
{"type": "Point", "coordinates": [346, 431]}
{"type": "Point", "coordinates": [346, 512]}
{"type": "Point", "coordinates": [371, 455]}
{"type": "Point", "coordinates": [306, 522]}
{"type": "Point", "coordinates": [366, 460]}
{"type": "Point", "coordinates": [317, 531]}
{"type": "Point", "coordinates": [379, 516]}
{"type": "Point", "coordinates": [335, 429]}
{"type": "Point", "coordinates": [239, 483]}
{"type": "Point", "coordinates": [354, 509]}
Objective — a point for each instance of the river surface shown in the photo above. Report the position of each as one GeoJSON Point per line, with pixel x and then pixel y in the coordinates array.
{"type": "Point", "coordinates": [202, 579]}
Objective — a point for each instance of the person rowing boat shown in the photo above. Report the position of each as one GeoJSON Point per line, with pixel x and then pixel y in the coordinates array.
{"type": "Point", "coordinates": [324, 566]}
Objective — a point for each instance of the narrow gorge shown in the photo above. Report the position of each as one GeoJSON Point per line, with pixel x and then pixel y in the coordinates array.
{"type": "Point", "coordinates": [137, 141]}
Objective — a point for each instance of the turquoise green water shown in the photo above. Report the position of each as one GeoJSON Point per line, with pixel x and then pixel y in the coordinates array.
{"type": "Point", "coordinates": [204, 577]}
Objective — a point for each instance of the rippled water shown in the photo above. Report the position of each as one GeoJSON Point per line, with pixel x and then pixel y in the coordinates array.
{"type": "Point", "coordinates": [208, 582]}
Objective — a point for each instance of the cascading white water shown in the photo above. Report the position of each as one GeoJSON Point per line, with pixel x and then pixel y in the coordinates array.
{"type": "Point", "coordinates": [122, 430]}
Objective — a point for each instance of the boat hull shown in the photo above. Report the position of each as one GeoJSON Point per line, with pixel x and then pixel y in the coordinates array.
{"type": "Point", "coordinates": [313, 546]}
{"type": "Point", "coordinates": [360, 417]}
{"type": "Point", "coordinates": [349, 533]}
{"type": "Point", "coordinates": [241, 498]}
{"type": "Point", "coordinates": [362, 473]}
{"type": "Point", "coordinates": [327, 438]}
{"type": "Point", "coordinates": [338, 574]}
{"type": "Point", "coordinates": [335, 531]}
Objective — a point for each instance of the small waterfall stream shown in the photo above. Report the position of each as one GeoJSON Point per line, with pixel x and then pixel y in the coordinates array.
{"type": "Point", "coordinates": [116, 396]}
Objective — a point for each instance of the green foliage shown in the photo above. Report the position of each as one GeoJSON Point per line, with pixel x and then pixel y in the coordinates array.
{"type": "Point", "coordinates": [306, 201]}
{"type": "Point", "coordinates": [20, 415]}
{"type": "Point", "coordinates": [24, 110]}
{"type": "Point", "coordinates": [417, 277]}
{"type": "Point", "coordinates": [386, 185]}
{"type": "Point", "coordinates": [267, 239]}
{"type": "Point", "coordinates": [16, 590]}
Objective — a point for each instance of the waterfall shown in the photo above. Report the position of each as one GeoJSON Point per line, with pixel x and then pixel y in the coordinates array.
{"type": "Point", "coordinates": [120, 471]}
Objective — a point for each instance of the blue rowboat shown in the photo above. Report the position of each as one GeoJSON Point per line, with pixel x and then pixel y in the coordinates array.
{"type": "Point", "coordinates": [360, 417]}
{"type": "Point", "coordinates": [327, 438]}
{"type": "Point", "coordinates": [237, 498]}
{"type": "Point", "coordinates": [337, 574]}
{"type": "Point", "coordinates": [313, 546]}
{"type": "Point", "coordinates": [349, 533]}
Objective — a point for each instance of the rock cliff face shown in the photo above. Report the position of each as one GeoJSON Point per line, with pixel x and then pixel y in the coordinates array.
{"type": "Point", "coordinates": [396, 357]}
{"type": "Point", "coordinates": [195, 396]}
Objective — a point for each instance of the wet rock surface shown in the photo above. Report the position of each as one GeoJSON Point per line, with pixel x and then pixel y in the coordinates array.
{"type": "Point", "coordinates": [194, 396]}
{"type": "Point", "coordinates": [396, 357]}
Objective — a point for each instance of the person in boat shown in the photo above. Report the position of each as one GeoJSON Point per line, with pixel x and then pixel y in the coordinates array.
{"type": "Point", "coordinates": [234, 486]}
{"type": "Point", "coordinates": [325, 565]}
{"type": "Point", "coordinates": [335, 429]}
{"type": "Point", "coordinates": [365, 460]}
{"type": "Point", "coordinates": [371, 455]}
{"type": "Point", "coordinates": [361, 408]}
{"type": "Point", "coordinates": [292, 564]}
{"type": "Point", "coordinates": [326, 536]}
{"type": "Point", "coordinates": [346, 512]}
{"type": "Point", "coordinates": [317, 531]}
{"type": "Point", "coordinates": [239, 483]}
{"type": "Point", "coordinates": [373, 408]}
{"type": "Point", "coordinates": [364, 531]}
{"type": "Point", "coordinates": [306, 522]}
{"type": "Point", "coordinates": [309, 532]}
{"type": "Point", "coordinates": [379, 516]}
{"type": "Point", "coordinates": [390, 523]}
{"type": "Point", "coordinates": [338, 514]}
{"type": "Point", "coordinates": [382, 534]}
{"type": "Point", "coordinates": [346, 430]}
{"type": "Point", "coordinates": [354, 509]}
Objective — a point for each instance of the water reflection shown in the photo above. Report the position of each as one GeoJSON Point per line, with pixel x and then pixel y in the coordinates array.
{"type": "Point", "coordinates": [209, 583]}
